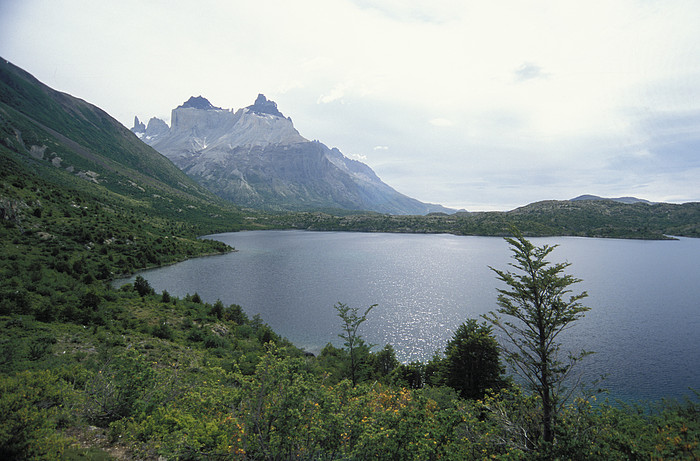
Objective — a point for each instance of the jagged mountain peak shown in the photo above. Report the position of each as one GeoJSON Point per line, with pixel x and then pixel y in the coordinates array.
{"type": "Point", "coordinates": [139, 126]}
{"type": "Point", "coordinates": [156, 127]}
{"type": "Point", "coordinates": [255, 157]}
{"type": "Point", "coordinates": [198, 102]}
{"type": "Point", "coordinates": [262, 105]}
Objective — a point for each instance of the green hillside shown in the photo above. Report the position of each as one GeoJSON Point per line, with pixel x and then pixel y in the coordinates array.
{"type": "Point", "coordinates": [582, 218]}
{"type": "Point", "coordinates": [90, 372]}
{"type": "Point", "coordinates": [55, 125]}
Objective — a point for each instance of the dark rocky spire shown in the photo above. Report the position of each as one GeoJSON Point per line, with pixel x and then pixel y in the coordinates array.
{"type": "Point", "coordinates": [198, 102]}
{"type": "Point", "coordinates": [139, 126]}
{"type": "Point", "coordinates": [263, 106]}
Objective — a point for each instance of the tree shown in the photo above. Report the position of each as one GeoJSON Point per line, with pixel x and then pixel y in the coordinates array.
{"type": "Point", "coordinates": [195, 298]}
{"type": "Point", "coordinates": [384, 362]}
{"type": "Point", "coordinates": [538, 306]}
{"type": "Point", "coordinates": [412, 374]}
{"type": "Point", "coordinates": [142, 286]}
{"type": "Point", "coordinates": [354, 342]}
{"type": "Point", "coordinates": [217, 310]}
{"type": "Point", "coordinates": [236, 314]}
{"type": "Point", "coordinates": [472, 362]}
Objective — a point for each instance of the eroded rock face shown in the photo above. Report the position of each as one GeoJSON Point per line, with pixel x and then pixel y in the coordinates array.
{"type": "Point", "coordinates": [156, 127]}
{"type": "Point", "coordinates": [139, 127]}
{"type": "Point", "coordinates": [255, 157]}
{"type": "Point", "coordinates": [263, 106]}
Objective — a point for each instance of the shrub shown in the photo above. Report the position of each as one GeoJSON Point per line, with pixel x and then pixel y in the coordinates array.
{"type": "Point", "coordinates": [163, 331]}
{"type": "Point", "coordinates": [122, 384]}
{"type": "Point", "coordinates": [31, 403]}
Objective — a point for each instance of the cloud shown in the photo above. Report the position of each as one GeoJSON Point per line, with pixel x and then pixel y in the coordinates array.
{"type": "Point", "coordinates": [335, 94]}
{"type": "Point", "coordinates": [442, 122]}
{"type": "Point", "coordinates": [359, 157]}
{"type": "Point", "coordinates": [528, 71]}
{"type": "Point", "coordinates": [381, 147]}
{"type": "Point", "coordinates": [413, 11]}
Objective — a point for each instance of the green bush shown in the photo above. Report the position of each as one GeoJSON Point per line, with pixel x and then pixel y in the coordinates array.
{"type": "Point", "coordinates": [32, 404]}
{"type": "Point", "coordinates": [121, 386]}
{"type": "Point", "coordinates": [163, 330]}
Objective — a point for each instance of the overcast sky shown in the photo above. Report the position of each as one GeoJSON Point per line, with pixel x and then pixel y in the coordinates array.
{"type": "Point", "coordinates": [483, 105]}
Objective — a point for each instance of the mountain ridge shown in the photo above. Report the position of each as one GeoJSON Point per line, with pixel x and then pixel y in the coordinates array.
{"type": "Point", "coordinates": [75, 145]}
{"type": "Point", "coordinates": [628, 200]}
{"type": "Point", "coordinates": [198, 102]}
{"type": "Point", "coordinates": [67, 141]}
{"type": "Point", "coordinates": [255, 157]}
{"type": "Point", "coordinates": [264, 106]}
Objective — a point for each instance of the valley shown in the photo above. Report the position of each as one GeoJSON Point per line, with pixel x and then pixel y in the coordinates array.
{"type": "Point", "coordinates": [88, 371]}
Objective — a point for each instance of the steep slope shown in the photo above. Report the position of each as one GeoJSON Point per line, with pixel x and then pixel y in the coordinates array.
{"type": "Point", "coordinates": [75, 145]}
{"type": "Point", "coordinates": [83, 200]}
{"type": "Point", "coordinates": [255, 157]}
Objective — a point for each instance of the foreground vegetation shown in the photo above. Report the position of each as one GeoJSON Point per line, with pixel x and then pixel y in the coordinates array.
{"type": "Point", "coordinates": [90, 372]}
{"type": "Point", "coordinates": [188, 380]}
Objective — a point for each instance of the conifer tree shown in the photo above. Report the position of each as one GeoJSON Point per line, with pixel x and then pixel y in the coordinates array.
{"type": "Point", "coordinates": [472, 363]}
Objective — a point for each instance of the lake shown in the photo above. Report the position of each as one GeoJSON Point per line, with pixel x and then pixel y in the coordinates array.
{"type": "Point", "coordinates": [644, 295]}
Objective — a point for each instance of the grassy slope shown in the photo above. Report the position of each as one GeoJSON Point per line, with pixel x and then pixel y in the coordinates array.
{"type": "Point", "coordinates": [82, 200]}
{"type": "Point", "coordinates": [88, 135]}
{"type": "Point", "coordinates": [75, 145]}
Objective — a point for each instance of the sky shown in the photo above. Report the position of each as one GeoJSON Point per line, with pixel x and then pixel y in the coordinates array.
{"type": "Point", "coordinates": [476, 105]}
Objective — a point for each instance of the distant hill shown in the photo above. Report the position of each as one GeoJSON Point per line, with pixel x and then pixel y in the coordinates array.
{"type": "Point", "coordinates": [255, 157]}
{"type": "Point", "coordinates": [618, 199]}
{"type": "Point", "coordinates": [583, 218]}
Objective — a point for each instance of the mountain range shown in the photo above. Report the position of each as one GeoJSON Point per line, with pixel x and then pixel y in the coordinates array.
{"type": "Point", "coordinates": [255, 157]}
{"type": "Point", "coordinates": [58, 151]}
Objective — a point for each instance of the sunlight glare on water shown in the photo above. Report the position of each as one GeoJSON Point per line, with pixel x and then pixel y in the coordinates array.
{"type": "Point", "coordinates": [643, 295]}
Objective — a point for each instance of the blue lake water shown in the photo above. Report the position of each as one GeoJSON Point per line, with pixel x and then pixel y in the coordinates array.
{"type": "Point", "coordinates": [644, 296]}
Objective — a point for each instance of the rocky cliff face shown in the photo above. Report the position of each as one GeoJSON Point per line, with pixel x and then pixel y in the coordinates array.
{"type": "Point", "coordinates": [255, 157]}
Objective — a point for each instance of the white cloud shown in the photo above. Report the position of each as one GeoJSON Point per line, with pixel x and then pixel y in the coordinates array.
{"type": "Point", "coordinates": [335, 94]}
{"type": "Point", "coordinates": [528, 71]}
{"type": "Point", "coordinates": [441, 122]}
{"type": "Point", "coordinates": [359, 157]}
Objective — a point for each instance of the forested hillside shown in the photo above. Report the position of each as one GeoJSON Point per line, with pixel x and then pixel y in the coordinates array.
{"type": "Point", "coordinates": [581, 218]}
